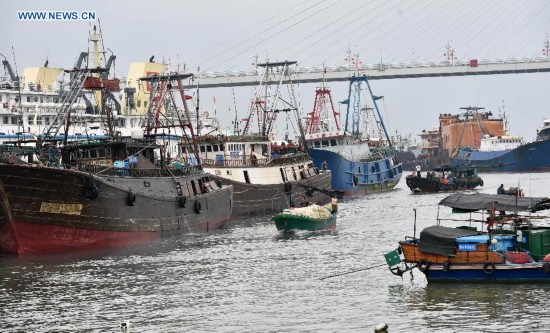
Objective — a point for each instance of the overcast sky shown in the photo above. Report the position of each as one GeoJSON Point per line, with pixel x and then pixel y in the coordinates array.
{"type": "Point", "coordinates": [227, 35]}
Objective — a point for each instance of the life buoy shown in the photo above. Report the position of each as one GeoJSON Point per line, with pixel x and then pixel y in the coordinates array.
{"type": "Point", "coordinates": [91, 191]}
{"type": "Point", "coordinates": [198, 207]}
{"type": "Point", "coordinates": [423, 265]}
{"type": "Point", "coordinates": [182, 201]}
{"type": "Point", "coordinates": [488, 268]}
{"type": "Point", "coordinates": [131, 199]}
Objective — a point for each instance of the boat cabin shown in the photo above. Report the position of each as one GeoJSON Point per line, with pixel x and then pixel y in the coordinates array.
{"type": "Point", "coordinates": [498, 143]}
{"type": "Point", "coordinates": [232, 149]}
{"type": "Point", "coordinates": [125, 153]}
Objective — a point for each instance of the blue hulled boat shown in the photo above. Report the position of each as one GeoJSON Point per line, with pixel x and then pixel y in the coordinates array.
{"type": "Point", "coordinates": [509, 153]}
{"type": "Point", "coordinates": [513, 249]}
{"type": "Point", "coordinates": [360, 161]}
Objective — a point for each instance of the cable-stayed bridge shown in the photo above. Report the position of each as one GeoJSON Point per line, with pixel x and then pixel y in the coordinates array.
{"type": "Point", "coordinates": [379, 71]}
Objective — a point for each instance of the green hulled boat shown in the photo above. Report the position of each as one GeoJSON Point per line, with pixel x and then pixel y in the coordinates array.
{"type": "Point", "coordinates": [309, 218]}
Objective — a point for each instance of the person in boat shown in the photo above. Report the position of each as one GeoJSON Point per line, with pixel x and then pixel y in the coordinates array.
{"type": "Point", "coordinates": [324, 166]}
{"type": "Point", "coordinates": [418, 169]}
{"type": "Point", "coordinates": [501, 190]}
{"type": "Point", "coordinates": [450, 179]}
{"type": "Point", "coordinates": [334, 205]}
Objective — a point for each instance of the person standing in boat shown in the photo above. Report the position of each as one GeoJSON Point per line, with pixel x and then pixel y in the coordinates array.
{"type": "Point", "coordinates": [418, 168]}
{"type": "Point", "coordinates": [324, 166]}
{"type": "Point", "coordinates": [501, 190]}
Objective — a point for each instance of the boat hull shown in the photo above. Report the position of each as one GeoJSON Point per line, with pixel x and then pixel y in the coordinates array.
{"type": "Point", "coordinates": [267, 199]}
{"type": "Point", "coordinates": [354, 178]}
{"type": "Point", "coordinates": [51, 210]}
{"type": "Point", "coordinates": [529, 157]}
{"type": "Point", "coordinates": [289, 222]}
{"type": "Point", "coordinates": [535, 272]}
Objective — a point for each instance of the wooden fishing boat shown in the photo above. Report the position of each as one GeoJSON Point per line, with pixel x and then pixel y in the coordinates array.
{"type": "Point", "coordinates": [444, 179]}
{"type": "Point", "coordinates": [513, 249]}
{"type": "Point", "coordinates": [310, 218]}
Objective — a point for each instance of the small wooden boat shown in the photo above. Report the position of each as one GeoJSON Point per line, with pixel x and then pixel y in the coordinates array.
{"type": "Point", "coordinates": [310, 218]}
{"type": "Point", "coordinates": [513, 249]}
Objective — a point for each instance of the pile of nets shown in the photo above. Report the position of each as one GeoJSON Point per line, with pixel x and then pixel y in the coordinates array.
{"type": "Point", "coordinates": [314, 211]}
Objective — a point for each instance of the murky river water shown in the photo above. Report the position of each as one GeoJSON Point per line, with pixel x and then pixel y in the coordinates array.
{"type": "Point", "coordinates": [248, 278]}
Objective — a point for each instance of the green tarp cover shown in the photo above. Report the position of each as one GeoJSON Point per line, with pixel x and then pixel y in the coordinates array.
{"type": "Point", "coordinates": [481, 201]}
{"type": "Point", "coordinates": [441, 240]}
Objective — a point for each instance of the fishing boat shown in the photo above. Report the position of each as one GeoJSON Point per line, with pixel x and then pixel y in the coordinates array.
{"type": "Point", "coordinates": [265, 181]}
{"type": "Point", "coordinates": [310, 218]}
{"type": "Point", "coordinates": [106, 193]}
{"type": "Point", "coordinates": [444, 179]}
{"type": "Point", "coordinates": [360, 160]}
{"type": "Point", "coordinates": [267, 174]}
{"type": "Point", "coordinates": [509, 247]}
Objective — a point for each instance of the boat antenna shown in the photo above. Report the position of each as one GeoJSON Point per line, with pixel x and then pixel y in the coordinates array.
{"type": "Point", "coordinates": [198, 102]}
{"type": "Point", "coordinates": [236, 121]}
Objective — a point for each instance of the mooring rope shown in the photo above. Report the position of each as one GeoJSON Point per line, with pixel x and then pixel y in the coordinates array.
{"type": "Point", "coordinates": [351, 271]}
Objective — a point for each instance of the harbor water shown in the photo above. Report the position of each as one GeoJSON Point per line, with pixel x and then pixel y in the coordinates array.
{"type": "Point", "coordinates": [249, 278]}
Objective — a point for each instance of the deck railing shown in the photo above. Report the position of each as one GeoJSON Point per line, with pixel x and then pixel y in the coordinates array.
{"type": "Point", "coordinates": [252, 162]}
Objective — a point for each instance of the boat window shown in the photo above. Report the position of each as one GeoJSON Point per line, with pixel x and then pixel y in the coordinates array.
{"type": "Point", "coordinates": [333, 142]}
{"type": "Point", "coordinates": [221, 148]}
{"type": "Point", "coordinates": [29, 98]}
{"type": "Point", "coordinates": [145, 104]}
{"type": "Point", "coordinates": [215, 148]}
{"type": "Point", "coordinates": [317, 144]}
{"type": "Point", "coordinates": [209, 148]}
{"type": "Point", "coordinates": [101, 152]}
{"type": "Point", "coordinates": [294, 174]}
{"type": "Point", "coordinates": [283, 174]}
{"type": "Point", "coordinates": [246, 178]}
{"type": "Point", "coordinates": [325, 143]}
{"type": "Point", "coordinates": [6, 120]}
{"type": "Point", "coordinates": [202, 149]}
